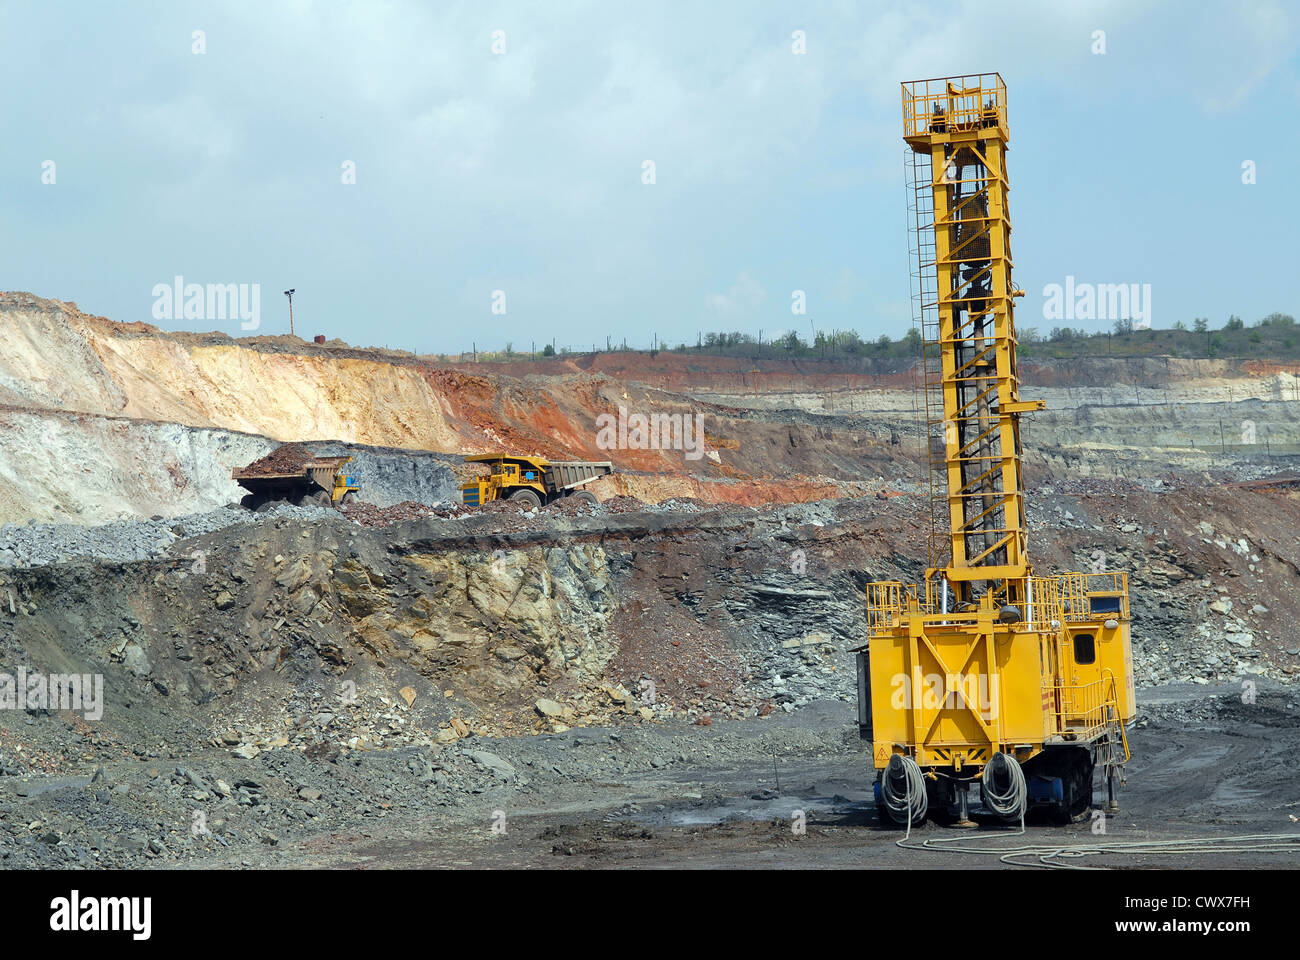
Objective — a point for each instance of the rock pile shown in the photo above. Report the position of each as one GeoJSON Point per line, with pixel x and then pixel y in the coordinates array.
{"type": "Point", "coordinates": [286, 458]}
{"type": "Point", "coordinates": [38, 544]}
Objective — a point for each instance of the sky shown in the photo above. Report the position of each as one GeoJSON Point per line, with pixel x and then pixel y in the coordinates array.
{"type": "Point", "coordinates": [432, 176]}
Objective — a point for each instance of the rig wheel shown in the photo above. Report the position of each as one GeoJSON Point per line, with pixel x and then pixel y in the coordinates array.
{"type": "Point", "coordinates": [528, 497]}
{"type": "Point", "coordinates": [1079, 787]}
{"type": "Point", "coordinates": [586, 496]}
{"type": "Point", "coordinates": [1073, 766]}
{"type": "Point", "coordinates": [941, 797]}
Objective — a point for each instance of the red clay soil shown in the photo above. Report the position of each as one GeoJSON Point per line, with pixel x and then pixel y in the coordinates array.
{"type": "Point", "coordinates": [692, 372]}
{"type": "Point", "coordinates": [1268, 368]}
{"type": "Point", "coordinates": [669, 370]}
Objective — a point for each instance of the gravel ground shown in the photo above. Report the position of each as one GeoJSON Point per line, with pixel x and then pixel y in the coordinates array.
{"type": "Point", "coordinates": [224, 685]}
{"type": "Point", "coordinates": [639, 794]}
{"type": "Point", "coordinates": [36, 544]}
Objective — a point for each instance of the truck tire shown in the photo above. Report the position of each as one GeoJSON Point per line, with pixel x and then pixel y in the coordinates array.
{"type": "Point", "coordinates": [586, 496]}
{"type": "Point", "coordinates": [527, 497]}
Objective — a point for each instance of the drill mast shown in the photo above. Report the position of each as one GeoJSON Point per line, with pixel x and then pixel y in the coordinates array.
{"type": "Point", "coordinates": [985, 673]}
{"type": "Point", "coordinates": [956, 129]}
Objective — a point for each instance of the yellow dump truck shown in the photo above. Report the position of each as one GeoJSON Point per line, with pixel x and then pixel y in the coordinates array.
{"type": "Point", "coordinates": [532, 480]}
{"type": "Point", "coordinates": [292, 474]}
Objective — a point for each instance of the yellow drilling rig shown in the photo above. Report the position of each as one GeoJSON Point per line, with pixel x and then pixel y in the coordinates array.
{"type": "Point", "coordinates": [985, 673]}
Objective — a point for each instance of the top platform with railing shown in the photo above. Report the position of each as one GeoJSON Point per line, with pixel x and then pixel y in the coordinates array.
{"type": "Point", "coordinates": [1050, 601]}
{"type": "Point", "coordinates": [946, 105]}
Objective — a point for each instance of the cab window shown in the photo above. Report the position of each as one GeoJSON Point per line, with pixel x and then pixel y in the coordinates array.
{"type": "Point", "coordinates": [1101, 605]}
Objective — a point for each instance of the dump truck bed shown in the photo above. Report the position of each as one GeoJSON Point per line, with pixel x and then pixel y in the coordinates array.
{"type": "Point", "coordinates": [319, 469]}
{"type": "Point", "coordinates": [566, 474]}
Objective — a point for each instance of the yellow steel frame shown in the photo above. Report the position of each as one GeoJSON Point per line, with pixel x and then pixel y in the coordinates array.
{"type": "Point", "coordinates": [961, 124]}
{"type": "Point", "coordinates": [959, 623]}
{"type": "Point", "coordinates": [1022, 664]}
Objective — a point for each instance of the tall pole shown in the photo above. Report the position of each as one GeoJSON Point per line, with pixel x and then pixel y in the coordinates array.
{"type": "Point", "coordinates": [289, 293]}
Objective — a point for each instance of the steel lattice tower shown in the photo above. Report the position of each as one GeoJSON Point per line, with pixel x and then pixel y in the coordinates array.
{"type": "Point", "coordinates": [956, 129]}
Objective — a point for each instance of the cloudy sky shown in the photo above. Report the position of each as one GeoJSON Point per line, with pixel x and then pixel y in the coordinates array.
{"type": "Point", "coordinates": [521, 170]}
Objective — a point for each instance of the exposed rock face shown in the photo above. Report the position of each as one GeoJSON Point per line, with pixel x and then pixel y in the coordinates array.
{"type": "Point", "coordinates": [135, 422]}
{"type": "Point", "coordinates": [92, 469]}
{"type": "Point", "coordinates": [449, 613]}
{"type": "Point", "coordinates": [713, 612]}
{"type": "Point", "coordinates": [389, 476]}
{"type": "Point", "coordinates": [95, 470]}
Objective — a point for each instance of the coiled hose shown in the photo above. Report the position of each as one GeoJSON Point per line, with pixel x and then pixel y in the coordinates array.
{"type": "Point", "coordinates": [902, 790]}
{"type": "Point", "coordinates": [1003, 787]}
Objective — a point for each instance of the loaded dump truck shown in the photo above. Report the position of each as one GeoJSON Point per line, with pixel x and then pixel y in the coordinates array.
{"type": "Point", "coordinates": [293, 474]}
{"type": "Point", "coordinates": [532, 480]}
